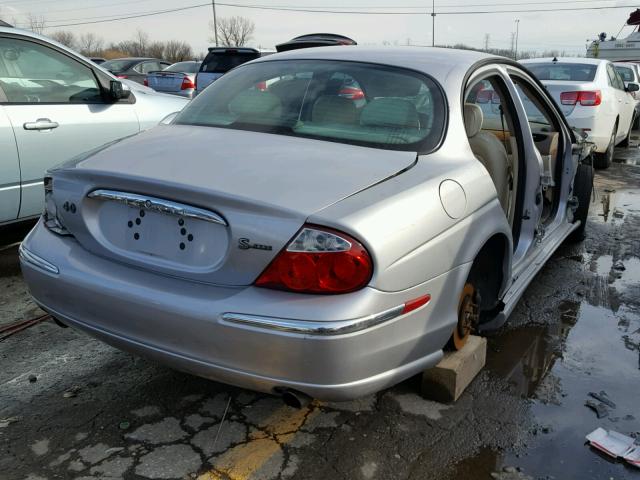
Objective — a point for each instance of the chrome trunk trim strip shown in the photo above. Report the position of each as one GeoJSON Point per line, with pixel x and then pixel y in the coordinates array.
{"type": "Point", "coordinates": [305, 327]}
{"type": "Point", "coordinates": [158, 205]}
{"type": "Point", "coordinates": [30, 257]}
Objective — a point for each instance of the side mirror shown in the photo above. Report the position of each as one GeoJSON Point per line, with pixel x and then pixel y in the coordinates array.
{"type": "Point", "coordinates": [118, 91]}
{"type": "Point", "coordinates": [632, 87]}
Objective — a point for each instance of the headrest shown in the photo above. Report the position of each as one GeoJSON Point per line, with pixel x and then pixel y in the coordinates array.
{"type": "Point", "coordinates": [472, 119]}
{"type": "Point", "coordinates": [390, 112]}
{"type": "Point", "coordinates": [334, 109]}
{"type": "Point", "coordinates": [255, 102]}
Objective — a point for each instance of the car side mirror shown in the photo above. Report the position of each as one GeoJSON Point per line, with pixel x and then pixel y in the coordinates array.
{"type": "Point", "coordinates": [632, 87]}
{"type": "Point", "coordinates": [118, 91]}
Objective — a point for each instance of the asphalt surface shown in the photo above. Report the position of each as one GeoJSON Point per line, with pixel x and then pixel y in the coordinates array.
{"type": "Point", "coordinates": [71, 407]}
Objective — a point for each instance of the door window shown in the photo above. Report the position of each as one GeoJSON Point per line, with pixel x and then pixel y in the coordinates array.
{"type": "Point", "coordinates": [147, 67]}
{"type": "Point", "coordinates": [614, 79]}
{"type": "Point", "coordinates": [33, 73]}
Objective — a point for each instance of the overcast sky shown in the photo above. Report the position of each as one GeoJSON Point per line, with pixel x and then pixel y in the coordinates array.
{"type": "Point", "coordinates": [566, 30]}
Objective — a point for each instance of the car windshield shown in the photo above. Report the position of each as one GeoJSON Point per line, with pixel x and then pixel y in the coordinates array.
{"type": "Point", "coordinates": [117, 65]}
{"type": "Point", "coordinates": [183, 67]}
{"type": "Point", "coordinates": [576, 72]}
{"type": "Point", "coordinates": [223, 61]}
{"type": "Point", "coordinates": [340, 101]}
{"type": "Point", "coordinates": [626, 73]}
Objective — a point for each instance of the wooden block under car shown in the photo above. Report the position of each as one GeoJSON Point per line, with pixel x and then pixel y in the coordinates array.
{"type": "Point", "coordinates": [448, 379]}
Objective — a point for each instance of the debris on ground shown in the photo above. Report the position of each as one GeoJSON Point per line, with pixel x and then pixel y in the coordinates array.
{"type": "Point", "coordinates": [616, 445]}
{"type": "Point", "coordinates": [72, 392]}
{"type": "Point", "coordinates": [511, 473]}
{"type": "Point", "coordinates": [5, 422]}
{"type": "Point", "coordinates": [603, 397]}
{"type": "Point", "coordinates": [619, 266]}
{"type": "Point", "coordinates": [32, 378]}
{"type": "Point", "coordinates": [124, 425]}
{"type": "Point", "coordinates": [599, 408]}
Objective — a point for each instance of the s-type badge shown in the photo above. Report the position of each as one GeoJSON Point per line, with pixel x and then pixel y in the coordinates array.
{"type": "Point", "coordinates": [245, 244]}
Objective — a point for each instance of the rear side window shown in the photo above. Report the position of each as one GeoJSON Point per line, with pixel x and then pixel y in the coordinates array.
{"type": "Point", "coordinates": [117, 65]}
{"type": "Point", "coordinates": [626, 73]}
{"type": "Point", "coordinates": [222, 62]}
{"type": "Point", "coordinates": [183, 67]}
{"type": "Point", "coordinates": [570, 72]}
{"type": "Point", "coordinates": [348, 102]}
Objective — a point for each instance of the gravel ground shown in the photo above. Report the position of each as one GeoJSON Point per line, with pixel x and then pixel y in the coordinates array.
{"type": "Point", "coordinates": [72, 407]}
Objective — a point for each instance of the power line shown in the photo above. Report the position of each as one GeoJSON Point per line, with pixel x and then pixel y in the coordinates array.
{"type": "Point", "coordinates": [341, 12]}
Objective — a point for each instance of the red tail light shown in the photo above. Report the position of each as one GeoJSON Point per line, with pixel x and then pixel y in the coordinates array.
{"type": "Point", "coordinates": [121, 76]}
{"type": "Point", "coordinates": [262, 86]}
{"type": "Point", "coordinates": [319, 260]}
{"type": "Point", "coordinates": [145, 82]}
{"type": "Point", "coordinates": [187, 83]}
{"type": "Point", "coordinates": [352, 93]}
{"type": "Point", "coordinates": [586, 98]}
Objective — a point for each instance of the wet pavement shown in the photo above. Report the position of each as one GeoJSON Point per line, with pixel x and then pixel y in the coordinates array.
{"type": "Point", "coordinates": [71, 407]}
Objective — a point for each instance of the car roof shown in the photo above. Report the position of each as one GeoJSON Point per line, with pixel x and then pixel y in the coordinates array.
{"type": "Point", "coordinates": [436, 61]}
{"type": "Point", "coordinates": [583, 60]}
{"type": "Point", "coordinates": [135, 59]}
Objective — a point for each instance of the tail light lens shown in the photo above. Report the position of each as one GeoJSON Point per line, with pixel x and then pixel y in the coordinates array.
{"type": "Point", "coordinates": [187, 83]}
{"type": "Point", "coordinates": [121, 76]}
{"type": "Point", "coordinates": [319, 260]}
{"type": "Point", "coordinates": [586, 98]}
{"type": "Point", "coordinates": [145, 82]}
{"type": "Point", "coordinates": [353, 93]}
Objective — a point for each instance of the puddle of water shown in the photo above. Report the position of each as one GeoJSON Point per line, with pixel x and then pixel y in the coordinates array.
{"type": "Point", "coordinates": [628, 156]}
{"type": "Point", "coordinates": [602, 265]}
{"type": "Point", "coordinates": [590, 349]}
{"type": "Point", "coordinates": [630, 277]}
{"type": "Point", "coordinates": [616, 204]}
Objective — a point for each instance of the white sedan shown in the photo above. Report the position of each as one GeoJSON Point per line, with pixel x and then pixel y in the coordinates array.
{"type": "Point", "coordinates": [54, 105]}
{"type": "Point", "coordinates": [593, 97]}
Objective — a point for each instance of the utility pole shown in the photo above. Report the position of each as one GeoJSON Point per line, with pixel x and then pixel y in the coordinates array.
{"type": "Point", "coordinates": [486, 42]}
{"type": "Point", "coordinates": [215, 23]}
{"type": "Point", "coordinates": [433, 23]}
{"type": "Point", "coordinates": [515, 54]}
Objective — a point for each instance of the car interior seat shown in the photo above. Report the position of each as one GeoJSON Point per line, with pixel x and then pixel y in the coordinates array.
{"type": "Point", "coordinates": [390, 113]}
{"type": "Point", "coordinates": [489, 151]}
{"type": "Point", "coordinates": [334, 109]}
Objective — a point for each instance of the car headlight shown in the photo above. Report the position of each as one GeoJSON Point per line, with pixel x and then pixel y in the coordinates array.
{"type": "Point", "coordinates": [50, 214]}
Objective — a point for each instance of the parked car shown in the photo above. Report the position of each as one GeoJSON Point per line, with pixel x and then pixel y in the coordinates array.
{"type": "Point", "coordinates": [178, 79]}
{"type": "Point", "coordinates": [630, 73]}
{"type": "Point", "coordinates": [279, 237]}
{"type": "Point", "coordinates": [219, 61]}
{"type": "Point", "coordinates": [54, 105]}
{"type": "Point", "coordinates": [315, 40]}
{"type": "Point", "coordinates": [98, 60]}
{"type": "Point", "coordinates": [593, 97]}
{"type": "Point", "coordinates": [135, 69]}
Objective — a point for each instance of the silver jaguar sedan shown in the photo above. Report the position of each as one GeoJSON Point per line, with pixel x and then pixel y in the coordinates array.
{"type": "Point", "coordinates": [282, 236]}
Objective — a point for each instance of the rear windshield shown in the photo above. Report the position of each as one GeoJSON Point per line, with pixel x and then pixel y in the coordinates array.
{"type": "Point", "coordinates": [222, 62]}
{"type": "Point", "coordinates": [117, 65]}
{"type": "Point", "coordinates": [626, 73]}
{"type": "Point", "coordinates": [576, 72]}
{"type": "Point", "coordinates": [183, 67]}
{"type": "Point", "coordinates": [348, 102]}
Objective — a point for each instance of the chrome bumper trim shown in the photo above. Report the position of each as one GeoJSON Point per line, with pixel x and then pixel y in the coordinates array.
{"type": "Point", "coordinates": [159, 205]}
{"type": "Point", "coordinates": [311, 327]}
{"type": "Point", "coordinates": [30, 257]}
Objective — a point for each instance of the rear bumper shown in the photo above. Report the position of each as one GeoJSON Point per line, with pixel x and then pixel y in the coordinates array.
{"type": "Point", "coordinates": [182, 93]}
{"type": "Point", "coordinates": [597, 125]}
{"type": "Point", "coordinates": [188, 325]}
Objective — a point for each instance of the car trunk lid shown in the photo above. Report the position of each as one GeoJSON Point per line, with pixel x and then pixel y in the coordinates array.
{"type": "Point", "coordinates": [557, 87]}
{"type": "Point", "coordinates": [166, 81]}
{"type": "Point", "coordinates": [136, 199]}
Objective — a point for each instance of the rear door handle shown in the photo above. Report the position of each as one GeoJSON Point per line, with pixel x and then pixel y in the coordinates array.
{"type": "Point", "coordinates": [41, 124]}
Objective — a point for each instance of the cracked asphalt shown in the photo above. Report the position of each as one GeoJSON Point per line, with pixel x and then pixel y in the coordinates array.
{"type": "Point", "coordinates": [72, 407]}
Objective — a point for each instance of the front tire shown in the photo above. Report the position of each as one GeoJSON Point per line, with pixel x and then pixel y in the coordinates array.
{"type": "Point", "coordinates": [582, 189]}
{"type": "Point", "coordinates": [603, 160]}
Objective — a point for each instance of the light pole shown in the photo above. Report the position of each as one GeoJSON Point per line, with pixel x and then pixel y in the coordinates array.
{"type": "Point", "coordinates": [215, 23]}
{"type": "Point", "coordinates": [515, 54]}
{"type": "Point", "coordinates": [433, 23]}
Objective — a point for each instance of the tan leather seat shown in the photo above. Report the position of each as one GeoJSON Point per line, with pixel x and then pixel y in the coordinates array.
{"type": "Point", "coordinates": [489, 151]}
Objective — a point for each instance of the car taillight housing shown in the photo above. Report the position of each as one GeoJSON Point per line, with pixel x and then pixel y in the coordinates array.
{"type": "Point", "coordinates": [121, 76]}
{"type": "Point", "coordinates": [319, 260]}
{"type": "Point", "coordinates": [187, 83]}
{"type": "Point", "coordinates": [586, 98]}
{"type": "Point", "coordinates": [352, 93]}
{"type": "Point", "coordinates": [145, 82]}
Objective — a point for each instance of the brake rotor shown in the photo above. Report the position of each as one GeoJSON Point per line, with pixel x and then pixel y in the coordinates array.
{"type": "Point", "coordinates": [468, 316]}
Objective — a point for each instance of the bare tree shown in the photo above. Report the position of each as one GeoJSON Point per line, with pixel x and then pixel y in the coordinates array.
{"type": "Point", "coordinates": [36, 23]}
{"type": "Point", "coordinates": [90, 44]}
{"type": "Point", "coordinates": [177, 51]}
{"type": "Point", "coordinates": [234, 31]}
{"type": "Point", "coordinates": [64, 37]}
{"type": "Point", "coordinates": [155, 50]}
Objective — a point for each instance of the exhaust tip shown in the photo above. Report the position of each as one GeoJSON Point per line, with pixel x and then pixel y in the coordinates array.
{"type": "Point", "coordinates": [293, 398]}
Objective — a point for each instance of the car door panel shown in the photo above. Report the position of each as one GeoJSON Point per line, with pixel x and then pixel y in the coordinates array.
{"type": "Point", "coordinates": [56, 108]}
{"type": "Point", "coordinates": [9, 171]}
